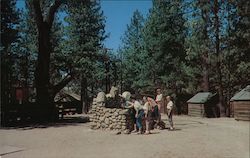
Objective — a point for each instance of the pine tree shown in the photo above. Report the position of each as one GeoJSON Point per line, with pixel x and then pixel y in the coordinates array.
{"type": "Point", "coordinates": [85, 35]}
{"type": "Point", "coordinates": [236, 50]}
{"type": "Point", "coordinates": [164, 36]}
{"type": "Point", "coordinates": [241, 41]}
{"type": "Point", "coordinates": [44, 18]}
{"type": "Point", "coordinates": [9, 19]}
{"type": "Point", "coordinates": [198, 46]}
{"type": "Point", "coordinates": [9, 37]}
{"type": "Point", "coordinates": [28, 46]}
{"type": "Point", "coordinates": [133, 61]}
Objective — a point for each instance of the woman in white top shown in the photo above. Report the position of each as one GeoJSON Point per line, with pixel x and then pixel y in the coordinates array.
{"type": "Point", "coordinates": [139, 112]}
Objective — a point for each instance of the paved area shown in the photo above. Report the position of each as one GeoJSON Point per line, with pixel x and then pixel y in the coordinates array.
{"type": "Point", "coordinates": [193, 138]}
{"type": "Point", "coordinates": [5, 149]}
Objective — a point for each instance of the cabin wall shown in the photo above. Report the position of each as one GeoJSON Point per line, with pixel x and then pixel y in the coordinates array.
{"type": "Point", "coordinates": [231, 106]}
{"type": "Point", "coordinates": [196, 110]}
{"type": "Point", "coordinates": [242, 110]}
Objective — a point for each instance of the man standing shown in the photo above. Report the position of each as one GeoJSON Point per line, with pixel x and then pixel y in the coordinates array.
{"type": "Point", "coordinates": [155, 114]}
{"type": "Point", "coordinates": [170, 105]}
{"type": "Point", "coordinates": [159, 100]}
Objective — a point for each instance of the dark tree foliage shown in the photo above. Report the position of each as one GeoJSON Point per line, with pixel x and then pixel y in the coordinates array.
{"type": "Point", "coordinates": [9, 39]}
{"type": "Point", "coordinates": [85, 34]}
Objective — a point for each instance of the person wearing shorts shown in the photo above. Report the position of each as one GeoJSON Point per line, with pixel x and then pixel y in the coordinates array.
{"type": "Point", "coordinates": [170, 105]}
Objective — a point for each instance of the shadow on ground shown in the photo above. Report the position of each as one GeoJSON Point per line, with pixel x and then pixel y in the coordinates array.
{"type": "Point", "coordinates": [66, 121]}
{"type": "Point", "coordinates": [183, 124]}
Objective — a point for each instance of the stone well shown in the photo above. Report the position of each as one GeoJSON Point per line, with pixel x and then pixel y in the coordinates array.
{"type": "Point", "coordinates": [110, 118]}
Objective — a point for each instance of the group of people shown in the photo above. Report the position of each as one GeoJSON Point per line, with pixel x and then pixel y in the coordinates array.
{"type": "Point", "coordinates": [149, 110]}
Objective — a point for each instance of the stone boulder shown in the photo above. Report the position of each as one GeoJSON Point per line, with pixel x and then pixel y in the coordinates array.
{"type": "Point", "coordinates": [100, 97]}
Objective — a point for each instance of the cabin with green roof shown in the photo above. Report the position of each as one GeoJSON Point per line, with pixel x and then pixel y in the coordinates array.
{"type": "Point", "coordinates": [241, 104]}
{"type": "Point", "coordinates": [203, 104]}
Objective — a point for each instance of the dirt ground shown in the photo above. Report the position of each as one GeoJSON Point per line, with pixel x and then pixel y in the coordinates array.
{"type": "Point", "coordinates": [193, 138]}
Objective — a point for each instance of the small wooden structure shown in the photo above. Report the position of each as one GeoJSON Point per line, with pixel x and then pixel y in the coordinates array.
{"type": "Point", "coordinates": [68, 103]}
{"type": "Point", "coordinates": [241, 104]}
{"type": "Point", "coordinates": [202, 104]}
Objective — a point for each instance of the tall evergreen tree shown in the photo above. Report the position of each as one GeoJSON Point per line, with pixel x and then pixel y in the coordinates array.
{"type": "Point", "coordinates": [9, 37]}
{"type": "Point", "coordinates": [164, 36]}
{"type": "Point", "coordinates": [216, 27]}
{"type": "Point", "coordinates": [85, 33]}
{"type": "Point", "coordinates": [9, 19]}
{"type": "Point", "coordinates": [133, 60]}
{"type": "Point", "coordinates": [198, 46]}
{"type": "Point", "coordinates": [28, 46]}
{"type": "Point", "coordinates": [236, 47]}
{"type": "Point", "coordinates": [241, 41]}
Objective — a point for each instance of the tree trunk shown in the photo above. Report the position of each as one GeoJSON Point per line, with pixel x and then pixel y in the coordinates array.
{"type": "Point", "coordinates": [204, 56]}
{"type": "Point", "coordinates": [107, 77]}
{"type": "Point", "coordinates": [218, 63]}
{"type": "Point", "coordinates": [205, 71]}
{"type": "Point", "coordinates": [42, 70]}
{"type": "Point", "coordinates": [45, 92]}
{"type": "Point", "coordinates": [46, 109]}
{"type": "Point", "coordinates": [84, 95]}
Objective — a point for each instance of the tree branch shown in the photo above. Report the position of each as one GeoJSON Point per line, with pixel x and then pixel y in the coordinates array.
{"type": "Point", "coordinates": [56, 88]}
{"type": "Point", "coordinates": [93, 56]}
{"type": "Point", "coordinates": [52, 10]}
{"type": "Point", "coordinates": [38, 12]}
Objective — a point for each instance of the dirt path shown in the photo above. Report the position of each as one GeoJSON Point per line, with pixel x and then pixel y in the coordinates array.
{"type": "Point", "coordinates": [193, 138]}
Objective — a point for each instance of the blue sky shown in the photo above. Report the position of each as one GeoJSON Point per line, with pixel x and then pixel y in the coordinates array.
{"type": "Point", "coordinates": [118, 14]}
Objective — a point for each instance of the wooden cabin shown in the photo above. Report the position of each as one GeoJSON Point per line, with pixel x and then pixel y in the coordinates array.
{"type": "Point", "coordinates": [241, 104]}
{"type": "Point", "coordinates": [203, 104]}
{"type": "Point", "coordinates": [68, 103]}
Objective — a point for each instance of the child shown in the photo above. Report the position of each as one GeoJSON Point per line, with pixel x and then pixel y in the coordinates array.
{"type": "Point", "coordinates": [170, 105]}
{"type": "Point", "coordinates": [159, 101]}
{"type": "Point", "coordinates": [147, 111]}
